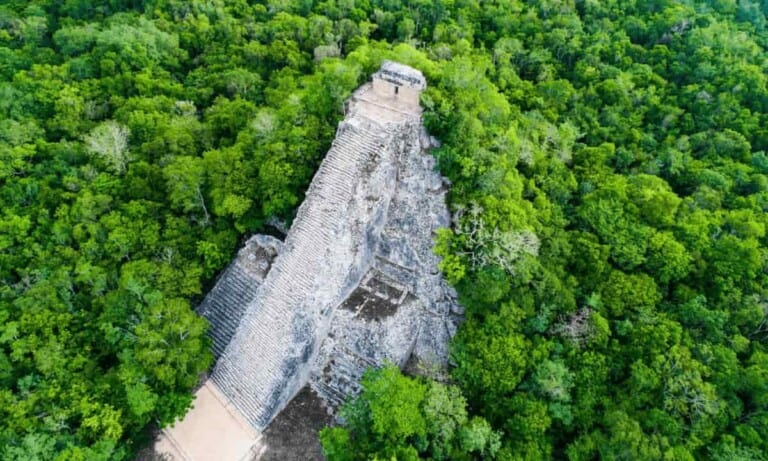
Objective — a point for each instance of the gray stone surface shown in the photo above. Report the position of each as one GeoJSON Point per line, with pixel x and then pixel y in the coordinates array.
{"type": "Point", "coordinates": [292, 435]}
{"type": "Point", "coordinates": [401, 75]}
{"type": "Point", "coordinates": [235, 289]}
{"type": "Point", "coordinates": [356, 282]}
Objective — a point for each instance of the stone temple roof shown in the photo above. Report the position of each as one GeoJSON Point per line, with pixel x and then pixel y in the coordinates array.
{"type": "Point", "coordinates": [400, 74]}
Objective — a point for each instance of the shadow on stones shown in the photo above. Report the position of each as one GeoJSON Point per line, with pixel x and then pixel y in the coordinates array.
{"type": "Point", "coordinates": [292, 435]}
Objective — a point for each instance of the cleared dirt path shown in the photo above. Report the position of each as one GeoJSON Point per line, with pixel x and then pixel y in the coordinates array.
{"type": "Point", "coordinates": [211, 431]}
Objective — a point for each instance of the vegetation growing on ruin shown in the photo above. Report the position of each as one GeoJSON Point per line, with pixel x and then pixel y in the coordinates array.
{"type": "Point", "coordinates": [610, 185]}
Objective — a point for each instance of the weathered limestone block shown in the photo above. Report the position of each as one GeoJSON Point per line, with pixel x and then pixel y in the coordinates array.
{"type": "Point", "coordinates": [356, 282]}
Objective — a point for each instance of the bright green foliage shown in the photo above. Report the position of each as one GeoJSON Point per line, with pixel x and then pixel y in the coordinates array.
{"type": "Point", "coordinates": [609, 189]}
{"type": "Point", "coordinates": [398, 417]}
{"type": "Point", "coordinates": [630, 331]}
{"type": "Point", "coordinates": [139, 142]}
{"type": "Point", "coordinates": [394, 404]}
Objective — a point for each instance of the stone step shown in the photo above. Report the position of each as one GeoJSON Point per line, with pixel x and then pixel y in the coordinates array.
{"type": "Point", "coordinates": [225, 304]}
{"type": "Point", "coordinates": [341, 380]}
{"type": "Point", "coordinates": [330, 394]}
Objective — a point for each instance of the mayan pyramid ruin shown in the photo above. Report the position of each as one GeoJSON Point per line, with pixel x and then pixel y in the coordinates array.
{"type": "Point", "coordinates": [355, 282]}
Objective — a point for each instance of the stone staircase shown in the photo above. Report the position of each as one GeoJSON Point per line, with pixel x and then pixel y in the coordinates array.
{"type": "Point", "coordinates": [277, 334]}
{"type": "Point", "coordinates": [225, 305]}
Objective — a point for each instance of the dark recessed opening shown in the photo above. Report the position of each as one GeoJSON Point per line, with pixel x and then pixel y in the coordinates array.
{"type": "Point", "coordinates": [397, 88]}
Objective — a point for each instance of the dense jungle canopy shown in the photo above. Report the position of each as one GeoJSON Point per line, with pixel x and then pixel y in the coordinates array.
{"type": "Point", "coordinates": [609, 184]}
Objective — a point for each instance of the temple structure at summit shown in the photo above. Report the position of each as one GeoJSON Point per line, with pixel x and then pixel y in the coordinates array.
{"type": "Point", "coordinates": [355, 282]}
